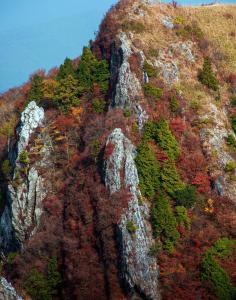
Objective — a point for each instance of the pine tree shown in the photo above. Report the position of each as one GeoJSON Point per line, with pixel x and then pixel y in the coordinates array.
{"type": "Point", "coordinates": [170, 180]}
{"type": "Point", "coordinates": [91, 70]}
{"type": "Point", "coordinates": [86, 69]}
{"type": "Point", "coordinates": [53, 276]}
{"type": "Point", "coordinates": [36, 91]}
{"type": "Point", "coordinates": [102, 75]}
{"type": "Point", "coordinates": [165, 139]}
{"type": "Point", "coordinates": [207, 77]}
{"type": "Point", "coordinates": [148, 170]}
{"type": "Point", "coordinates": [164, 222]}
{"type": "Point", "coordinates": [67, 93]}
{"type": "Point", "coordinates": [66, 69]}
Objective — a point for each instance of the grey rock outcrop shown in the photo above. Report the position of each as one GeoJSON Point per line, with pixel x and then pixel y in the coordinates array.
{"type": "Point", "coordinates": [167, 22]}
{"type": "Point", "coordinates": [31, 118]}
{"type": "Point", "coordinates": [27, 189]}
{"type": "Point", "coordinates": [128, 89]}
{"type": "Point", "coordinates": [169, 70]}
{"type": "Point", "coordinates": [7, 291]}
{"type": "Point", "coordinates": [128, 86]}
{"type": "Point", "coordinates": [213, 138]}
{"type": "Point", "coordinates": [184, 49]}
{"type": "Point", "coordinates": [138, 269]}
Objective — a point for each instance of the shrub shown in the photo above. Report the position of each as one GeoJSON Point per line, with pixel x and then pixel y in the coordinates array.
{"type": "Point", "coordinates": [195, 105]}
{"type": "Point", "coordinates": [153, 52]}
{"type": "Point", "coordinates": [223, 247]}
{"type": "Point", "coordinates": [207, 77]}
{"type": "Point", "coordinates": [95, 148]}
{"type": "Point", "coordinates": [149, 69]}
{"type": "Point", "coordinates": [36, 286]}
{"type": "Point", "coordinates": [24, 157]}
{"type": "Point", "coordinates": [213, 273]}
{"type": "Point", "coordinates": [231, 140]}
{"type": "Point", "coordinates": [230, 167]}
{"type": "Point", "coordinates": [179, 20]}
{"type": "Point", "coordinates": [154, 249]}
{"type": "Point", "coordinates": [99, 106]}
{"type": "Point", "coordinates": [164, 223]}
{"type": "Point", "coordinates": [43, 287]}
{"type": "Point", "coordinates": [6, 168]}
{"type": "Point", "coordinates": [152, 91]}
{"type": "Point", "coordinates": [131, 227]}
{"type": "Point", "coordinates": [127, 112]}
{"type": "Point", "coordinates": [11, 257]}
{"type": "Point", "coordinates": [174, 105]}
{"type": "Point", "coordinates": [190, 31]}
{"type": "Point", "coordinates": [134, 26]}
{"type": "Point", "coordinates": [186, 196]}
{"type": "Point", "coordinates": [53, 276]}
{"type": "Point", "coordinates": [233, 100]}
{"type": "Point", "coordinates": [170, 180]}
{"type": "Point", "coordinates": [148, 170]}
{"type": "Point", "coordinates": [233, 123]}
{"type": "Point", "coordinates": [182, 217]}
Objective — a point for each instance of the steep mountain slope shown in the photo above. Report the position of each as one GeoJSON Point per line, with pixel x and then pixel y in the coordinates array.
{"type": "Point", "coordinates": [118, 169]}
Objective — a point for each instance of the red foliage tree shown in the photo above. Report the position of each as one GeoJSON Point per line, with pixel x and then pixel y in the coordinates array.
{"type": "Point", "coordinates": [202, 182]}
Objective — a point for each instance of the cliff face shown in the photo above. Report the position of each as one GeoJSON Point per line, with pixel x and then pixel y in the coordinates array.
{"type": "Point", "coordinates": [123, 170]}
{"type": "Point", "coordinates": [27, 189]}
{"type": "Point", "coordinates": [138, 269]}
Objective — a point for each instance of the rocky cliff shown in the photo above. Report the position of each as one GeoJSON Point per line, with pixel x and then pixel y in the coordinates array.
{"type": "Point", "coordinates": [137, 267]}
{"type": "Point", "coordinates": [27, 190]}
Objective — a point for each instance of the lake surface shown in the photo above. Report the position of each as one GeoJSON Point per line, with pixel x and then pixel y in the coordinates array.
{"type": "Point", "coordinates": [40, 34]}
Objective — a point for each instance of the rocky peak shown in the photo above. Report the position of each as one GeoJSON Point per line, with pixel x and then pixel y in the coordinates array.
{"type": "Point", "coordinates": [128, 89]}
{"type": "Point", "coordinates": [31, 118]}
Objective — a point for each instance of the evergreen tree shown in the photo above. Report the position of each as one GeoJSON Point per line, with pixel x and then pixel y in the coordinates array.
{"type": "Point", "coordinates": [67, 93]}
{"type": "Point", "coordinates": [207, 77]}
{"type": "Point", "coordinates": [212, 272]}
{"type": "Point", "coordinates": [37, 287]}
{"type": "Point", "coordinates": [53, 276]}
{"type": "Point", "coordinates": [170, 180]}
{"type": "Point", "coordinates": [36, 91]}
{"type": "Point", "coordinates": [148, 170]}
{"type": "Point", "coordinates": [164, 222]}
{"type": "Point", "coordinates": [174, 105]}
{"type": "Point", "coordinates": [102, 75]}
{"type": "Point", "coordinates": [86, 69]}
{"type": "Point", "coordinates": [91, 70]}
{"type": "Point", "coordinates": [66, 69]}
{"type": "Point", "coordinates": [165, 139]}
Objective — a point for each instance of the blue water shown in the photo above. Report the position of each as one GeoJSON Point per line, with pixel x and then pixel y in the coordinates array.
{"type": "Point", "coordinates": [39, 34]}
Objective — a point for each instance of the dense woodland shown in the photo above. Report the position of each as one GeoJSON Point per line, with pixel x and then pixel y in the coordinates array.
{"type": "Point", "coordinates": [74, 255]}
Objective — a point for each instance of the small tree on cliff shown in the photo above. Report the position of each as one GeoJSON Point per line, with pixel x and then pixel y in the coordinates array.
{"type": "Point", "coordinates": [207, 77]}
{"type": "Point", "coordinates": [36, 91]}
